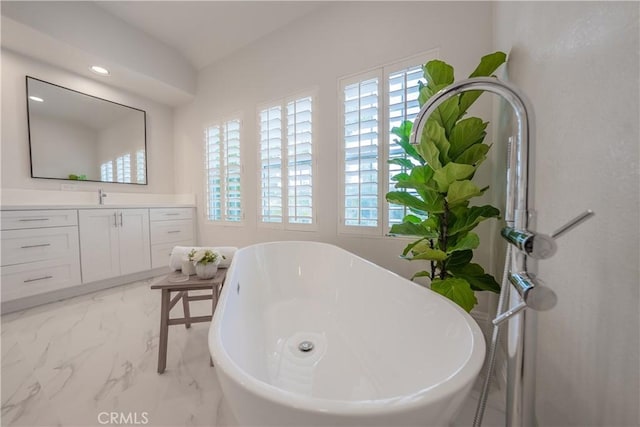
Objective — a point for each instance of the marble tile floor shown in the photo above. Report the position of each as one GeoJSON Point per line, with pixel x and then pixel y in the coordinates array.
{"type": "Point", "coordinates": [74, 362]}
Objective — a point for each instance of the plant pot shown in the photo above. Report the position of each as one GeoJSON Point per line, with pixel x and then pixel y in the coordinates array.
{"type": "Point", "coordinates": [187, 267]}
{"type": "Point", "coordinates": [206, 271]}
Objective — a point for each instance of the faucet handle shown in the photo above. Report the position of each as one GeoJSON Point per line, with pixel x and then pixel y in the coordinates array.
{"type": "Point", "coordinates": [534, 295]}
{"type": "Point", "coordinates": [538, 245]}
{"type": "Point", "coordinates": [573, 223]}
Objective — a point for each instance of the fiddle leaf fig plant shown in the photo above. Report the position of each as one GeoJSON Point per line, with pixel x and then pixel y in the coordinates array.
{"type": "Point", "coordinates": [437, 187]}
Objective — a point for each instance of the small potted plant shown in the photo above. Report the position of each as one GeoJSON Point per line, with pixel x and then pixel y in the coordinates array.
{"type": "Point", "coordinates": [188, 267]}
{"type": "Point", "coordinates": [206, 262]}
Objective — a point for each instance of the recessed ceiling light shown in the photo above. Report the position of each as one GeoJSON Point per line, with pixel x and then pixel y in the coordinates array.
{"type": "Point", "coordinates": [100, 70]}
{"type": "Point", "coordinates": [36, 98]}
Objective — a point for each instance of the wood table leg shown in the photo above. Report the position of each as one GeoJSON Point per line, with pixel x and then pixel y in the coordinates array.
{"type": "Point", "coordinates": [214, 302]}
{"type": "Point", "coordinates": [164, 331]}
{"type": "Point", "coordinates": [185, 308]}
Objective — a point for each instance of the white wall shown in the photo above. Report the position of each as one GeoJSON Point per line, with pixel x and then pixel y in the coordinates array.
{"type": "Point", "coordinates": [61, 147]}
{"type": "Point", "coordinates": [337, 40]}
{"type": "Point", "coordinates": [15, 142]}
{"type": "Point", "coordinates": [578, 63]}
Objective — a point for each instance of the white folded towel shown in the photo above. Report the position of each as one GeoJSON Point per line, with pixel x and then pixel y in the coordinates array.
{"type": "Point", "coordinates": [180, 252]}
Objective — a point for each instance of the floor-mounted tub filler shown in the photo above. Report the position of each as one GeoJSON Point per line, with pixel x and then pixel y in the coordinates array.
{"type": "Point", "coordinates": [308, 334]}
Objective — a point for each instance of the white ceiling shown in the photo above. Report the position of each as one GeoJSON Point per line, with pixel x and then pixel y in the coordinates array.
{"type": "Point", "coordinates": [152, 48]}
{"type": "Point", "coordinates": [205, 31]}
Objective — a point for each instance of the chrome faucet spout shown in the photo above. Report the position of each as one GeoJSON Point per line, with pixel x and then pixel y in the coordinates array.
{"type": "Point", "coordinates": [101, 196]}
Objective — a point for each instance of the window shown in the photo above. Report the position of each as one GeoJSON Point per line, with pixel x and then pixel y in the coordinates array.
{"type": "Point", "coordinates": [361, 152]}
{"type": "Point", "coordinates": [286, 163]}
{"type": "Point", "coordinates": [123, 168]}
{"type": "Point", "coordinates": [224, 170]}
{"type": "Point", "coordinates": [141, 177]}
{"type": "Point", "coordinates": [402, 92]}
{"type": "Point", "coordinates": [373, 103]}
{"type": "Point", "coordinates": [271, 165]}
{"type": "Point", "coordinates": [106, 171]}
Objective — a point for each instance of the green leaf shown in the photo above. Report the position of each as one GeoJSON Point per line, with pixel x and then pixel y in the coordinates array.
{"type": "Point", "coordinates": [423, 93]}
{"type": "Point", "coordinates": [432, 222]}
{"type": "Point", "coordinates": [447, 114]}
{"type": "Point", "coordinates": [467, 218]}
{"type": "Point", "coordinates": [433, 199]}
{"type": "Point", "coordinates": [461, 191]}
{"type": "Point", "coordinates": [410, 229]}
{"type": "Point", "coordinates": [430, 153]}
{"type": "Point", "coordinates": [418, 179]}
{"type": "Point", "coordinates": [477, 278]}
{"type": "Point", "coordinates": [421, 274]}
{"type": "Point", "coordinates": [473, 155]}
{"type": "Point", "coordinates": [402, 176]}
{"type": "Point", "coordinates": [422, 173]}
{"type": "Point", "coordinates": [438, 73]}
{"type": "Point", "coordinates": [469, 241]}
{"type": "Point", "coordinates": [403, 132]}
{"type": "Point", "coordinates": [411, 246]}
{"type": "Point", "coordinates": [428, 254]}
{"type": "Point", "coordinates": [457, 290]}
{"type": "Point", "coordinates": [412, 219]}
{"type": "Point", "coordinates": [405, 163]}
{"type": "Point", "coordinates": [488, 64]}
{"type": "Point", "coordinates": [432, 141]}
{"type": "Point", "coordinates": [465, 134]}
{"type": "Point", "coordinates": [405, 199]}
{"type": "Point", "coordinates": [450, 173]}
{"type": "Point", "coordinates": [439, 138]}
{"type": "Point", "coordinates": [459, 259]}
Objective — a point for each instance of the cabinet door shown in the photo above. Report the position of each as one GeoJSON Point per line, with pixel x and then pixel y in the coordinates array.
{"type": "Point", "coordinates": [135, 248]}
{"type": "Point", "coordinates": [99, 251]}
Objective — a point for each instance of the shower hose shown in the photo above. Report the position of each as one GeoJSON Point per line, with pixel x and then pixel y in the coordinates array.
{"type": "Point", "coordinates": [495, 340]}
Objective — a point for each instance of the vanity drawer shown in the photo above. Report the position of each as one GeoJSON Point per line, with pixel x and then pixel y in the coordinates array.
{"type": "Point", "coordinates": [171, 231]}
{"type": "Point", "coordinates": [161, 253]}
{"type": "Point", "coordinates": [167, 214]}
{"type": "Point", "coordinates": [23, 280]}
{"type": "Point", "coordinates": [15, 220]}
{"type": "Point", "coordinates": [38, 244]}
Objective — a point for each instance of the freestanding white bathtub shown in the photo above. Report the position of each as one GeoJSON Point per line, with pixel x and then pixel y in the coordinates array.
{"type": "Point", "coordinates": [385, 351]}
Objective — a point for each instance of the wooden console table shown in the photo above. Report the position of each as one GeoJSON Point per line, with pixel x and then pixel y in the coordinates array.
{"type": "Point", "coordinates": [182, 288]}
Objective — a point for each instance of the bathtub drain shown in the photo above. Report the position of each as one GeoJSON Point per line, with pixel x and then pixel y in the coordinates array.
{"type": "Point", "coordinates": [305, 346]}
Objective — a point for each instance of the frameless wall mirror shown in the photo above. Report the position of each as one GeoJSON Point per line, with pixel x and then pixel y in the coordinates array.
{"type": "Point", "coordinates": [75, 136]}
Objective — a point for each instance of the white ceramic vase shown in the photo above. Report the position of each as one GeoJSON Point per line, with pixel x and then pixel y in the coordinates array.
{"type": "Point", "coordinates": [206, 271]}
{"type": "Point", "coordinates": [187, 267]}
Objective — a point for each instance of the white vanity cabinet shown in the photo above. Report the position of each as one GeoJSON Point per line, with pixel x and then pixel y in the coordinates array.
{"type": "Point", "coordinates": [39, 252]}
{"type": "Point", "coordinates": [51, 253]}
{"type": "Point", "coordinates": [169, 227]}
{"type": "Point", "coordinates": [113, 242]}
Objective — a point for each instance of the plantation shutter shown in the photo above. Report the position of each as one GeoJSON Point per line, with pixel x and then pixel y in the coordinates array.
{"type": "Point", "coordinates": [224, 170]}
{"type": "Point", "coordinates": [361, 112]}
{"type": "Point", "coordinates": [403, 105]}
{"type": "Point", "coordinates": [271, 165]}
{"type": "Point", "coordinates": [300, 161]}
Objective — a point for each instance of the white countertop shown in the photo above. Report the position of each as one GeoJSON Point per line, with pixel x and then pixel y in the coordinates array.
{"type": "Point", "coordinates": [21, 199]}
{"type": "Point", "coordinates": [96, 206]}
